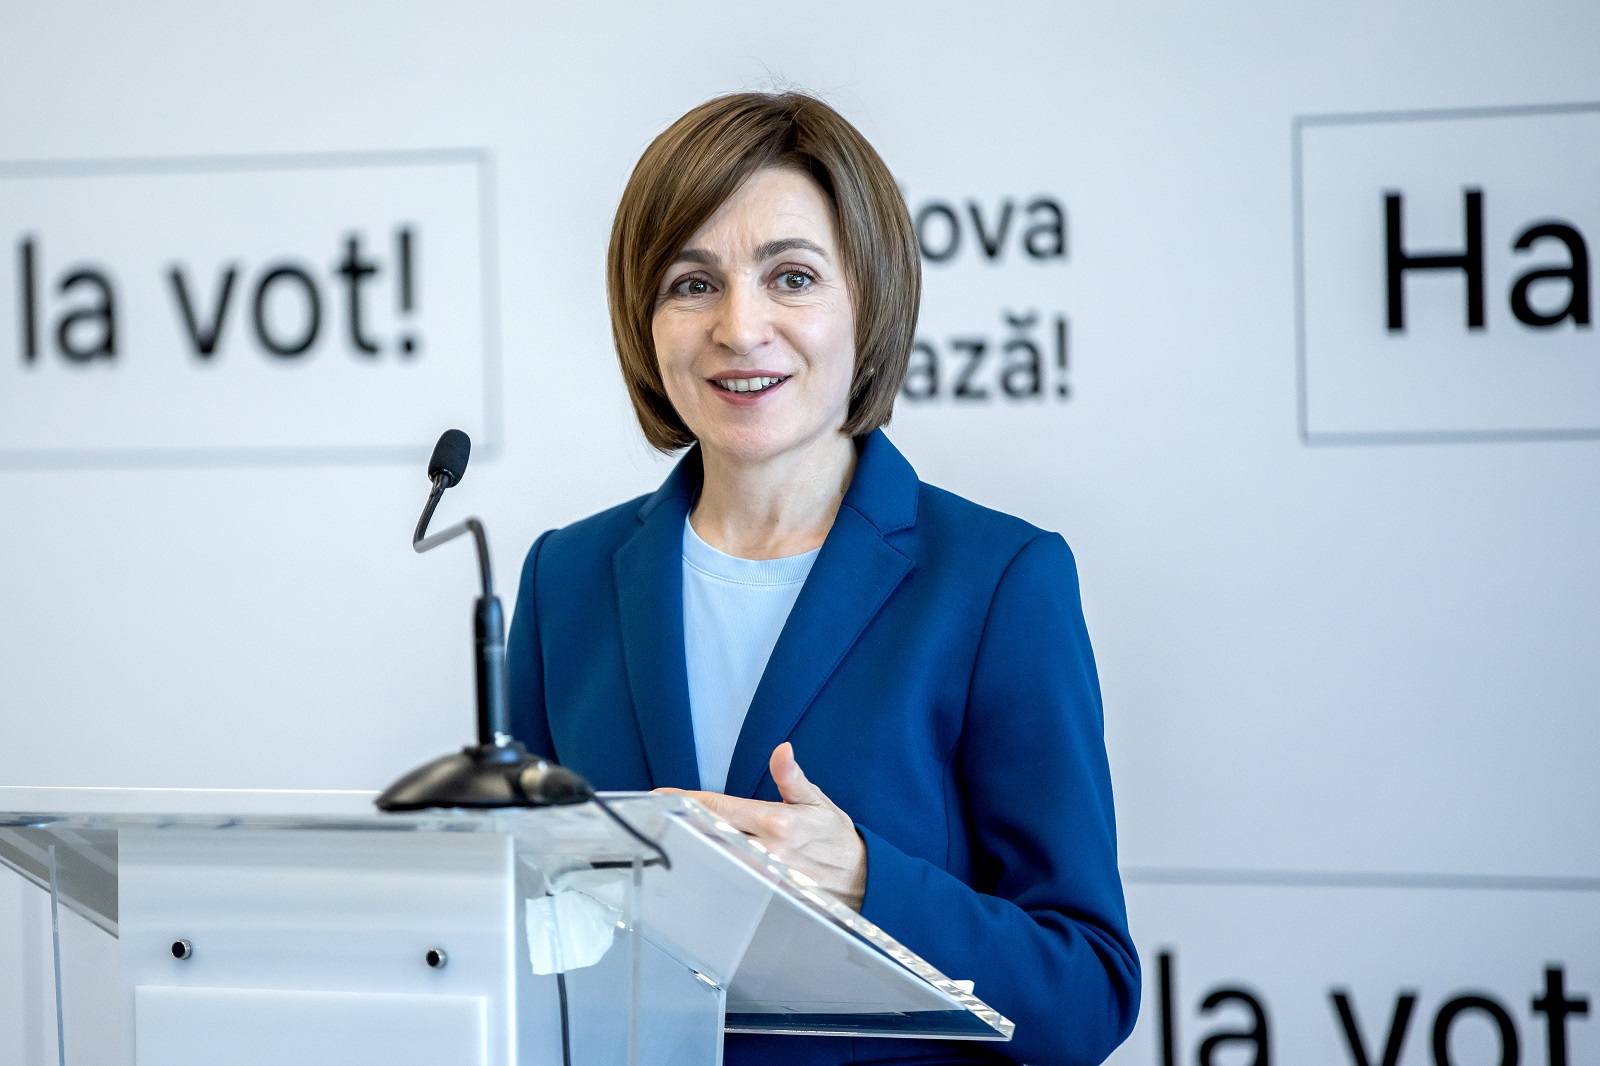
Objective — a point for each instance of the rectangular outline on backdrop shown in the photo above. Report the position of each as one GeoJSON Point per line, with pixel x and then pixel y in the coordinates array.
{"type": "Point", "coordinates": [1262, 878]}
{"type": "Point", "coordinates": [1464, 436]}
{"type": "Point", "coordinates": [127, 458]}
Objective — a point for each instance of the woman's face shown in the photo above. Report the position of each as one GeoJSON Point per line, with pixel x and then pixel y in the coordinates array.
{"type": "Point", "coordinates": [753, 326]}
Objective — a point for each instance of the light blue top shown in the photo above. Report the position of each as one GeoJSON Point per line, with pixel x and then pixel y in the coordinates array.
{"type": "Point", "coordinates": [733, 611]}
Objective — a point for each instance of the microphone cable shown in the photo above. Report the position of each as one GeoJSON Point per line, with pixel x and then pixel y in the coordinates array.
{"type": "Point", "coordinates": [628, 828]}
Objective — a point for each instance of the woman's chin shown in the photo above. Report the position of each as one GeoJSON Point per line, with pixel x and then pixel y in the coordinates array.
{"type": "Point", "coordinates": [746, 449]}
{"type": "Point", "coordinates": [755, 445]}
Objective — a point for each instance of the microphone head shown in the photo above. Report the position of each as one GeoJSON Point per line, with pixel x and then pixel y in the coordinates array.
{"type": "Point", "coordinates": [450, 456]}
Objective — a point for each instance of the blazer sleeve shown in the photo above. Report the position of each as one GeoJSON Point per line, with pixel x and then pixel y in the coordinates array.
{"type": "Point", "coordinates": [525, 664]}
{"type": "Point", "coordinates": [1043, 932]}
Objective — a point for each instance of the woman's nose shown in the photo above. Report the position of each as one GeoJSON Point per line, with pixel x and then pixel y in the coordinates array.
{"type": "Point", "coordinates": [744, 321]}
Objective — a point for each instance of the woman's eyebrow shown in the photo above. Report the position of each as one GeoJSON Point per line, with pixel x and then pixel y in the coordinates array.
{"type": "Point", "coordinates": [765, 251]}
{"type": "Point", "coordinates": [695, 255]}
{"type": "Point", "coordinates": [789, 244]}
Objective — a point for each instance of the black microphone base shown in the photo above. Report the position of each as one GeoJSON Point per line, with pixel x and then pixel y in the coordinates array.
{"type": "Point", "coordinates": [486, 776]}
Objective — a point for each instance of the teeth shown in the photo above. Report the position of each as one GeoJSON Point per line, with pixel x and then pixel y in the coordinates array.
{"type": "Point", "coordinates": [746, 384]}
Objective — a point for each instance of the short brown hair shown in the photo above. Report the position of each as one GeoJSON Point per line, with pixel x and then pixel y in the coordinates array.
{"type": "Point", "coordinates": [692, 168]}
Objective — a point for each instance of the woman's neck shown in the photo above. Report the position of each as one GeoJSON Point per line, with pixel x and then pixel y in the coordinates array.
{"type": "Point", "coordinates": [776, 508]}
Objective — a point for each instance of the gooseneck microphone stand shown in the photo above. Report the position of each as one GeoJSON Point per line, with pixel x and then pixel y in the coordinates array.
{"type": "Point", "coordinates": [488, 620]}
{"type": "Point", "coordinates": [497, 771]}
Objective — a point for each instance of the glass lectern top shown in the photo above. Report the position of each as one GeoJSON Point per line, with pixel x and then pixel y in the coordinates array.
{"type": "Point", "coordinates": [790, 957]}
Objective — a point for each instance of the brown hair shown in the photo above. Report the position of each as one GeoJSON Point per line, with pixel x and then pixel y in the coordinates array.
{"type": "Point", "coordinates": [693, 167]}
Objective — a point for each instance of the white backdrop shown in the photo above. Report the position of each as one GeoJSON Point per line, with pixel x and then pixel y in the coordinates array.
{"type": "Point", "coordinates": [1349, 677]}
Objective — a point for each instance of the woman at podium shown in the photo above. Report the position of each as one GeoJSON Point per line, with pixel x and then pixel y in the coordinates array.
{"type": "Point", "coordinates": [890, 686]}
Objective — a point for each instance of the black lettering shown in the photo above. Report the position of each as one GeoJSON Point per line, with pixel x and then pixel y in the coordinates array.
{"type": "Point", "coordinates": [1575, 274]}
{"type": "Point", "coordinates": [922, 373]}
{"type": "Point", "coordinates": [404, 240]}
{"type": "Point", "coordinates": [1022, 377]}
{"type": "Point", "coordinates": [1169, 1018]}
{"type": "Point", "coordinates": [1452, 1010]}
{"type": "Point", "coordinates": [994, 244]}
{"type": "Point", "coordinates": [1258, 1035]}
{"type": "Point", "coordinates": [29, 300]}
{"type": "Point", "coordinates": [1045, 237]}
{"type": "Point", "coordinates": [204, 338]}
{"type": "Point", "coordinates": [1469, 260]}
{"type": "Point", "coordinates": [1555, 1006]}
{"type": "Point", "coordinates": [1398, 1023]}
{"type": "Point", "coordinates": [313, 316]}
{"type": "Point", "coordinates": [975, 348]}
{"type": "Point", "coordinates": [100, 320]}
{"type": "Point", "coordinates": [355, 270]}
{"type": "Point", "coordinates": [1063, 387]}
{"type": "Point", "coordinates": [952, 242]}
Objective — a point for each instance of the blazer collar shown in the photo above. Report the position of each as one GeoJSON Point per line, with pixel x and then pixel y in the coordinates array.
{"type": "Point", "coordinates": [854, 575]}
{"type": "Point", "coordinates": [649, 574]}
{"type": "Point", "coordinates": [885, 489]}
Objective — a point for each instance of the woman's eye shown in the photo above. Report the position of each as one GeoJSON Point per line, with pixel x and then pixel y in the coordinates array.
{"type": "Point", "coordinates": [691, 287]}
{"type": "Point", "coordinates": [794, 280]}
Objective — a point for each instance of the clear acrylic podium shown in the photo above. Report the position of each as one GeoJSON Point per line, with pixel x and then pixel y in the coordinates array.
{"type": "Point", "coordinates": [198, 937]}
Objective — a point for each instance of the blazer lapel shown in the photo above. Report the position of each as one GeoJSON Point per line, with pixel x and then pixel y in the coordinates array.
{"type": "Point", "coordinates": [854, 575]}
{"type": "Point", "coordinates": [649, 573]}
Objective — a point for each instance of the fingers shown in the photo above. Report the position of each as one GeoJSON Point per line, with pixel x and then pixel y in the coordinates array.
{"type": "Point", "coordinates": [793, 785]}
{"type": "Point", "coordinates": [806, 830]}
{"type": "Point", "coordinates": [776, 824]}
{"type": "Point", "coordinates": [747, 816]}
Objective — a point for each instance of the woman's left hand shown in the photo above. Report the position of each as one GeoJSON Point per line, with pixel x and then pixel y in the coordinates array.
{"type": "Point", "coordinates": [807, 830]}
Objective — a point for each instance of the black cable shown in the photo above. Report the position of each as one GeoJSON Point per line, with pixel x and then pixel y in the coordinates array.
{"type": "Point", "coordinates": [561, 977]}
{"type": "Point", "coordinates": [631, 831]}
{"type": "Point", "coordinates": [566, 1035]}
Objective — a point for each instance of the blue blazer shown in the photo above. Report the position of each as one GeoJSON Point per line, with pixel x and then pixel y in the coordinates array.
{"type": "Point", "coordinates": [936, 680]}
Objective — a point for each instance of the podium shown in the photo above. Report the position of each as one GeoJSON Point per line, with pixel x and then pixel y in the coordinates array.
{"type": "Point", "coordinates": [247, 929]}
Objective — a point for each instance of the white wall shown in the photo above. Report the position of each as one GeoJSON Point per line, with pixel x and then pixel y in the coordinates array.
{"type": "Point", "coordinates": [1366, 657]}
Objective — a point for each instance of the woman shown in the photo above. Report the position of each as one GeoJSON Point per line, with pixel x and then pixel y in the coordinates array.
{"type": "Point", "coordinates": [793, 595]}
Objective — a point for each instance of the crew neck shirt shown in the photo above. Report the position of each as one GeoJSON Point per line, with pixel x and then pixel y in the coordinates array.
{"type": "Point", "coordinates": [733, 612]}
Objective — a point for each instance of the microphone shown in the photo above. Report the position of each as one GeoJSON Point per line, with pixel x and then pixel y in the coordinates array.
{"type": "Point", "coordinates": [450, 457]}
{"type": "Point", "coordinates": [497, 771]}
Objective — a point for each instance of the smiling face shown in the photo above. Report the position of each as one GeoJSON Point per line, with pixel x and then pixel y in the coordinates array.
{"type": "Point", "coordinates": [753, 326]}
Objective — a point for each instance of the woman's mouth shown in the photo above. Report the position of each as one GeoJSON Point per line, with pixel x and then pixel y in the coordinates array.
{"type": "Point", "coordinates": [748, 385]}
